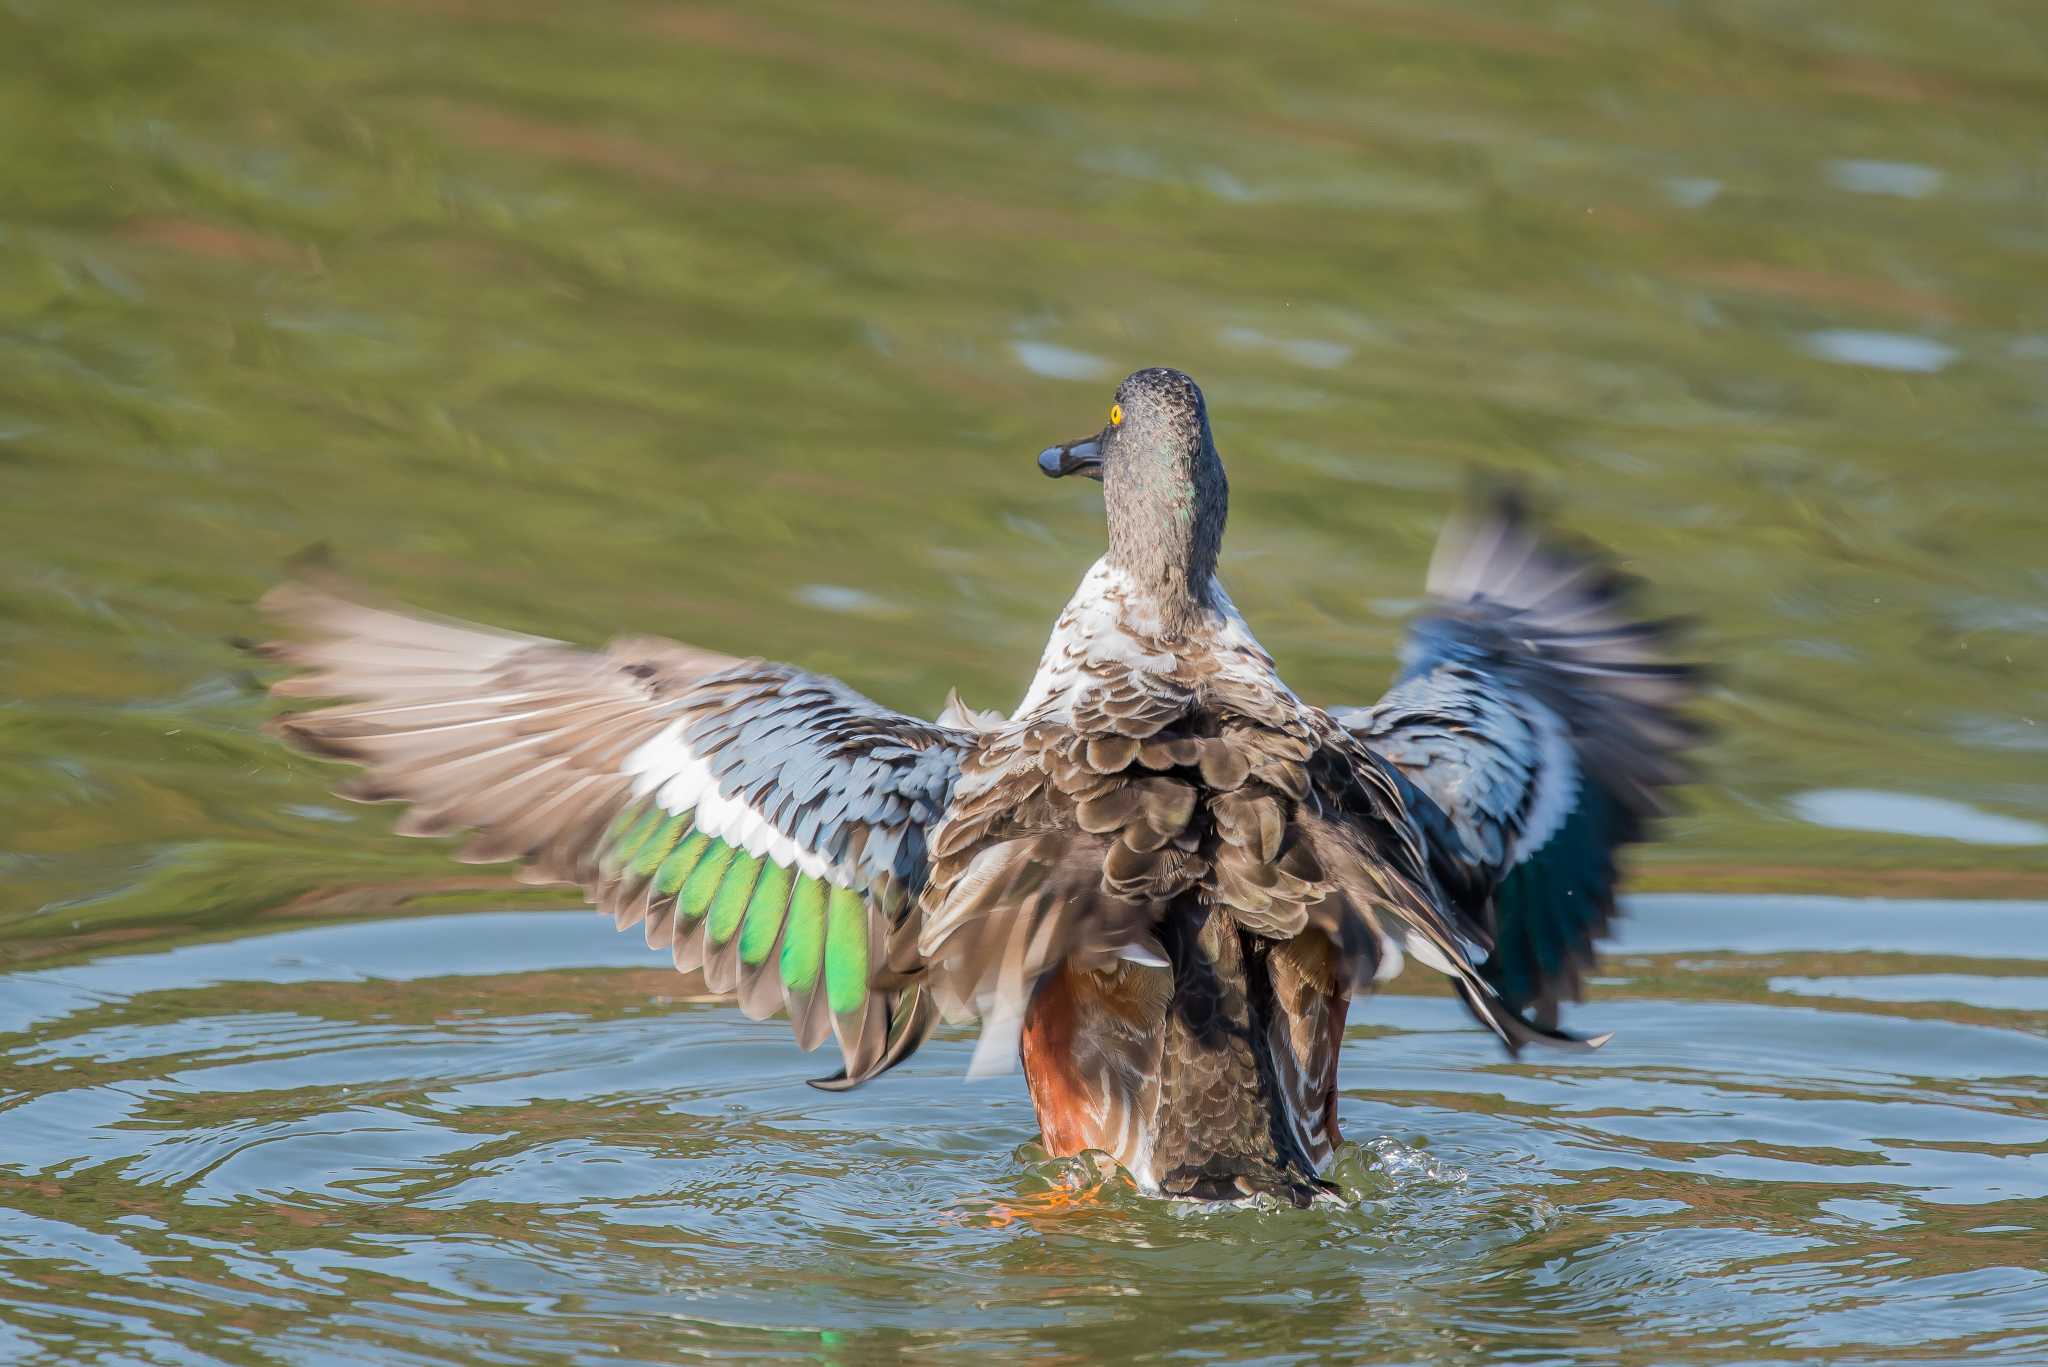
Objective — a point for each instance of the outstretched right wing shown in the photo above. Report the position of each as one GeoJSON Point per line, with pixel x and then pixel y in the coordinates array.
{"type": "Point", "coordinates": [1545, 722]}
{"type": "Point", "coordinates": [765, 824]}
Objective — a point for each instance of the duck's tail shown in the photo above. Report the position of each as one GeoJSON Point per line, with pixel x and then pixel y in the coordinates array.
{"type": "Point", "coordinates": [1227, 1126]}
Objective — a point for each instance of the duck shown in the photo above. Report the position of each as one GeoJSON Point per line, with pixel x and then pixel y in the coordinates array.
{"type": "Point", "coordinates": [1158, 884]}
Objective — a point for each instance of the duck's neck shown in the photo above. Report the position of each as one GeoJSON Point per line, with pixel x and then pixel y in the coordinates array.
{"type": "Point", "coordinates": [1166, 520]}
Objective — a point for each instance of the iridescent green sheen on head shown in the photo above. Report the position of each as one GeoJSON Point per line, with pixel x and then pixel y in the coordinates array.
{"type": "Point", "coordinates": [1164, 489]}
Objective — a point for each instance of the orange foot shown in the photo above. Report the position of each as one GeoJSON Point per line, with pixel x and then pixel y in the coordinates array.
{"type": "Point", "coordinates": [1050, 1205]}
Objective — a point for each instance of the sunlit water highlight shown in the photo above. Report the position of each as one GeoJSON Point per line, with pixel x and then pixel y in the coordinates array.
{"type": "Point", "coordinates": [744, 323]}
{"type": "Point", "coordinates": [493, 1135]}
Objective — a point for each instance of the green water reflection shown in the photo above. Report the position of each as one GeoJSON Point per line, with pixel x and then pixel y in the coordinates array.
{"type": "Point", "coordinates": [743, 323]}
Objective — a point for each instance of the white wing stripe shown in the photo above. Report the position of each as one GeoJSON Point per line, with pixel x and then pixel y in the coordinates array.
{"type": "Point", "coordinates": [665, 766]}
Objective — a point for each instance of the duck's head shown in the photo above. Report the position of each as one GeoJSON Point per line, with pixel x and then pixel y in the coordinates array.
{"type": "Point", "coordinates": [1158, 418]}
{"type": "Point", "coordinates": [1162, 481]}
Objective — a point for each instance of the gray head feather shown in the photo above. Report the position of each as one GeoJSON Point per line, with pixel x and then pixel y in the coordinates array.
{"type": "Point", "coordinates": [1164, 487]}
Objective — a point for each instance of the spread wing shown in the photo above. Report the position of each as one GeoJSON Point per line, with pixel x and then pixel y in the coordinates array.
{"type": "Point", "coordinates": [1545, 723]}
{"type": "Point", "coordinates": [765, 824]}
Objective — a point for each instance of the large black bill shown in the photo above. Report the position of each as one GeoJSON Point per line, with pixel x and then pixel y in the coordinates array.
{"type": "Point", "coordinates": [1083, 457]}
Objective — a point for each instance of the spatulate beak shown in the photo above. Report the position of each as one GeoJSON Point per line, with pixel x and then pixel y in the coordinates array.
{"type": "Point", "coordinates": [1083, 457]}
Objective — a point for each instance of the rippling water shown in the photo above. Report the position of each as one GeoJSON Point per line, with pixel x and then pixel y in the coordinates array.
{"type": "Point", "coordinates": [743, 323]}
{"type": "Point", "coordinates": [492, 1137]}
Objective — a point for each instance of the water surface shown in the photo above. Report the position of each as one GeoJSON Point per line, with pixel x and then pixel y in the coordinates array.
{"type": "Point", "coordinates": [744, 323]}
{"type": "Point", "coordinates": [494, 1137]}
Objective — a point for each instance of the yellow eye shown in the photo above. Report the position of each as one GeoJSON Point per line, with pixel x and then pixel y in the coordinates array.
{"type": "Point", "coordinates": [1116, 415]}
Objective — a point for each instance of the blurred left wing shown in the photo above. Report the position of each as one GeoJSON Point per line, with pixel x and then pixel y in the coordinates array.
{"type": "Point", "coordinates": [765, 824]}
{"type": "Point", "coordinates": [1543, 723]}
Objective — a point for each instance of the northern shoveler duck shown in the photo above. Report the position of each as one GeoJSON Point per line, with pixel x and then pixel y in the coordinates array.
{"type": "Point", "coordinates": [1161, 880]}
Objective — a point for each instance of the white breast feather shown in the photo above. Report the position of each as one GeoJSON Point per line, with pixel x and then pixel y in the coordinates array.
{"type": "Point", "coordinates": [1093, 633]}
{"type": "Point", "coordinates": [1239, 652]}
